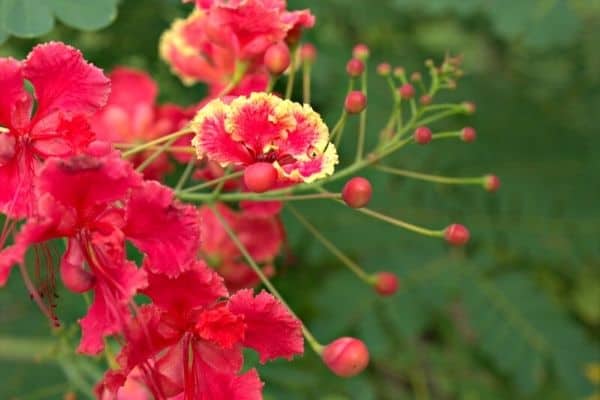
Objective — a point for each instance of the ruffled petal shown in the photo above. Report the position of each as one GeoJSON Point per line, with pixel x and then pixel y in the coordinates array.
{"type": "Point", "coordinates": [271, 329]}
{"type": "Point", "coordinates": [213, 141]}
{"type": "Point", "coordinates": [261, 236]}
{"type": "Point", "coordinates": [15, 102]}
{"type": "Point", "coordinates": [64, 81]}
{"type": "Point", "coordinates": [197, 287]}
{"type": "Point", "coordinates": [162, 227]}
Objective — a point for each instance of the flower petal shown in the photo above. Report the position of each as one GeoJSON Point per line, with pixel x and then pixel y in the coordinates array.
{"type": "Point", "coordinates": [162, 227]}
{"type": "Point", "coordinates": [271, 329]}
{"type": "Point", "coordinates": [64, 81]}
{"type": "Point", "coordinates": [15, 102]}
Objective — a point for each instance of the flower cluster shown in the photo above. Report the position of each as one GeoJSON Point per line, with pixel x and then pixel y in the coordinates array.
{"type": "Point", "coordinates": [83, 172]}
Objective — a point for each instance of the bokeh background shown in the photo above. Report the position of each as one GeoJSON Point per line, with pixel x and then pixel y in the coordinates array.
{"type": "Point", "coordinates": [514, 316]}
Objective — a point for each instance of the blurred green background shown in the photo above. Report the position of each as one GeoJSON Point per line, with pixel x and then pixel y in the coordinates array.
{"type": "Point", "coordinates": [516, 315]}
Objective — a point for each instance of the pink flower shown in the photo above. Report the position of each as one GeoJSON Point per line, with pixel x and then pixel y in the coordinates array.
{"type": "Point", "coordinates": [67, 90]}
{"type": "Point", "coordinates": [261, 235]}
{"type": "Point", "coordinates": [263, 127]}
{"type": "Point", "coordinates": [189, 341]}
{"type": "Point", "coordinates": [97, 204]}
{"type": "Point", "coordinates": [131, 116]}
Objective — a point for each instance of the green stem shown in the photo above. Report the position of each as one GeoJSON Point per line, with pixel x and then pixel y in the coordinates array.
{"type": "Point", "coordinates": [209, 197]}
{"type": "Point", "coordinates": [213, 182]}
{"type": "Point", "coordinates": [360, 147]}
{"type": "Point", "coordinates": [316, 346]}
{"type": "Point", "coordinates": [432, 178]}
{"type": "Point", "coordinates": [162, 139]}
{"type": "Point", "coordinates": [185, 175]}
{"type": "Point", "coordinates": [354, 267]}
{"type": "Point", "coordinates": [306, 70]}
{"type": "Point", "coordinates": [154, 156]}
{"type": "Point", "coordinates": [440, 115]}
{"type": "Point", "coordinates": [292, 76]}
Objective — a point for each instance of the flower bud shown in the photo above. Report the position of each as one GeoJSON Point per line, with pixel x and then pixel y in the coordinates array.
{"type": "Point", "coordinates": [492, 183]}
{"type": "Point", "coordinates": [423, 135]}
{"type": "Point", "coordinates": [260, 177]}
{"type": "Point", "coordinates": [357, 192]}
{"type": "Point", "coordinates": [346, 356]}
{"type": "Point", "coordinates": [415, 76]}
{"type": "Point", "coordinates": [308, 53]}
{"type": "Point", "coordinates": [355, 68]}
{"type": "Point", "coordinates": [407, 91]}
{"type": "Point", "coordinates": [456, 235]}
{"type": "Point", "coordinates": [384, 69]}
{"type": "Point", "coordinates": [425, 100]}
{"type": "Point", "coordinates": [356, 101]}
{"type": "Point", "coordinates": [277, 58]}
{"type": "Point", "coordinates": [468, 134]}
{"type": "Point", "coordinates": [386, 283]}
{"type": "Point", "coordinates": [399, 72]}
{"type": "Point", "coordinates": [469, 107]}
{"type": "Point", "coordinates": [360, 51]}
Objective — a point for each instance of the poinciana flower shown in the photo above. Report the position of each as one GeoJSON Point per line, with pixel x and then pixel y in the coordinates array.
{"type": "Point", "coordinates": [131, 116]}
{"type": "Point", "coordinates": [67, 90]}
{"type": "Point", "coordinates": [189, 342]}
{"type": "Point", "coordinates": [262, 236]}
{"type": "Point", "coordinates": [224, 41]}
{"type": "Point", "coordinates": [264, 128]}
{"type": "Point", "coordinates": [97, 203]}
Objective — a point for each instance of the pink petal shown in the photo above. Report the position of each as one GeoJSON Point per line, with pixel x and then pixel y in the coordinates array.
{"type": "Point", "coordinates": [17, 172]}
{"type": "Point", "coordinates": [64, 81]}
{"type": "Point", "coordinates": [271, 329]}
{"type": "Point", "coordinates": [162, 227]}
{"type": "Point", "coordinates": [215, 385]}
{"type": "Point", "coordinates": [198, 286]}
{"type": "Point", "coordinates": [15, 102]}
{"type": "Point", "coordinates": [261, 236]}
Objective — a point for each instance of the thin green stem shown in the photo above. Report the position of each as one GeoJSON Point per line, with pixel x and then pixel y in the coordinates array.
{"type": "Point", "coordinates": [354, 267]}
{"type": "Point", "coordinates": [185, 175]}
{"type": "Point", "coordinates": [210, 196]}
{"type": "Point", "coordinates": [162, 139]}
{"type": "Point", "coordinates": [306, 70]}
{"type": "Point", "coordinates": [292, 75]}
{"type": "Point", "coordinates": [316, 346]}
{"type": "Point", "coordinates": [440, 115]}
{"type": "Point", "coordinates": [432, 178]}
{"type": "Point", "coordinates": [213, 182]}
{"type": "Point", "coordinates": [217, 191]}
{"type": "Point", "coordinates": [362, 127]}
{"type": "Point", "coordinates": [401, 224]}
{"type": "Point", "coordinates": [154, 156]}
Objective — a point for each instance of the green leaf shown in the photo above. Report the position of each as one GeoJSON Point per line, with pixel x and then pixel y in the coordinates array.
{"type": "Point", "coordinates": [85, 14]}
{"type": "Point", "coordinates": [26, 18]}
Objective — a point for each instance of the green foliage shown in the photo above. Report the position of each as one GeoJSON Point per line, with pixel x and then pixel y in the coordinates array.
{"type": "Point", "coordinates": [32, 18]}
{"type": "Point", "coordinates": [516, 316]}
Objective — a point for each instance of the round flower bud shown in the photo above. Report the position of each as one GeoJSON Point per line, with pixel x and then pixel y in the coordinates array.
{"type": "Point", "coordinates": [415, 76]}
{"type": "Point", "coordinates": [356, 101]}
{"type": "Point", "coordinates": [468, 134]}
{"type": "Point", "coordinates": [398, 72]}
{"type": "Point", "coordinates": [357, 192]}
{"type": "Point", "coordinates": [384, 69]}
{"type": "Point", "coordinates": [277, 58]}
{"type": "Point", "coordinates": [456, 235]}
{"type": "Point", "coordinates": [355, 68]}
{"type": "Point", "coordinates": [469, 107]}
{"type": "Point", "coordinates": [423, 135]}
{"type": "Point", "coordinates": [308, 53]}
{"type": "Point", "coordinates": [346, 356]}
{"type": "Point", "coordinates": [360, 51]}
{"type": "Point", "coordinates": [425, 100]}
{"type": "Point", "coordinates": [386, 283]}
{"type": "Point", "coordinates": [407, 91]}
{"type": "Point", "coordinates": [260, 177]}
{"type": "Point", "coordinates": [492, 183]}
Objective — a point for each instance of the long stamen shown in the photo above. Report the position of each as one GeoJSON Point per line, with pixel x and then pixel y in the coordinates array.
{"type": "Point", "coordinates": [35, 295]}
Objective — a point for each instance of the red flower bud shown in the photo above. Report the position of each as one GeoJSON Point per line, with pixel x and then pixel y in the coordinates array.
{"type": "Point", "coordinates": [356, 101]}
{"type": "Point", "coordinates": [346, 356]}
{"type": "Point", "coordinates": [260, 177]}
{"type": "Point", "coordinates": [407, 91]}
{"type": "Point", "coordinates": [357, 192]}
{"type": "Point", "coordinates": [423, 135]}
{"type": "Point", "coordinates": [386, 283]}
{"type": "Point", "coordinates": [456, 235]}
{"type": "Point", "coordinates": [360, 51]}
{"type": "Point", "coordinates": [425, 100]}
{"type": "Point", "coordinates": [492, 183]}
{"type": "Point", "coordinates": [355, 68]}
{"type": "Point", "coordinates": [384, 69]}
{"type": "Point", "coordinates": [308, 53]}
{"type": "Point", "coordinates": [468, 134]}
{"type": "Point", "coordinates": [277, 58]}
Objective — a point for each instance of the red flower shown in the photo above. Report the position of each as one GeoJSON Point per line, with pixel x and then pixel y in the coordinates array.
{"type": "Point", "coordinates": [67, 91]}
{"type": "Point", "coordinates": [131, 116]}
{"type": "Point", "coordinates": [189, 342]}
{"type": "Point", "coordinates": [261, 235]}
{"type": "Point", "coordinates": [263, 127]}
{"type": "Point", "coordinates": [98, 203]}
